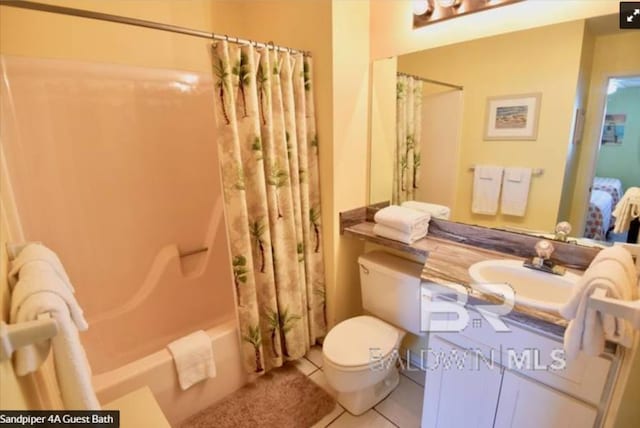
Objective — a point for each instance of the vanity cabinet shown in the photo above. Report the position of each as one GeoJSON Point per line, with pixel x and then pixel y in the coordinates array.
{"type": "Point", "coordinates": [460, 393]}
{"type": "Point", "coordinates": [478, 377]}
{"type": "Point", "coordinates": [516, 408]}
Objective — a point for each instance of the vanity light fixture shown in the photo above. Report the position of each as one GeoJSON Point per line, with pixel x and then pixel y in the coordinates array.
{"type": "Point", "coordinates": [426, 12]}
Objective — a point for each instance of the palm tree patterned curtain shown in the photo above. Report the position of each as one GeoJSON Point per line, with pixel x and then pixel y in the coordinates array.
{"type": "Point", "coordinates": [268, 148]}
{"type": "Point", "coordinates": [406, 171]}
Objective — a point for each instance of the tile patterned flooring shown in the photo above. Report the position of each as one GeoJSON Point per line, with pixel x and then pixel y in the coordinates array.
{"type": "Point", "coordinates": [402, 408]}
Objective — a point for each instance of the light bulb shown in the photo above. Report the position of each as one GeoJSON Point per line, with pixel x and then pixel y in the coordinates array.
{"type": "Point", "coordinates": [448, 3]}
{"type": "Point", "coordinates": [420, 7]}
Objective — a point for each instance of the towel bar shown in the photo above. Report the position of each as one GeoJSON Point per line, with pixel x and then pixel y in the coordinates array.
{"type": "Point", "coordinates": [14, 336]}
{"type": "Point", "coordinates": [192, 252]}
{"type": "Point", "coordinates": [536, 172]}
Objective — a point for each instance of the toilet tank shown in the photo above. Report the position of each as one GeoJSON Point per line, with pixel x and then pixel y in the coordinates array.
{"type": "Point", "coordinates": [390, 288]}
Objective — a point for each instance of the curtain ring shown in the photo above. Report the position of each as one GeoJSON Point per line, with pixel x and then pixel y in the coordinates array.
{"type": "Point", "coordinates": [226, 38]}
{"type": "Point", "coordinates": [271, 45]}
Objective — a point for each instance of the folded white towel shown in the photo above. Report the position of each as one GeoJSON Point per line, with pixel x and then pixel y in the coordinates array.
{"type": "Point", "coordinates": [621, 256]}
{"type": "Point", "coordinates": [588, 329]}
{"type": "Point", "coordinates": [627, 209]}
{"type": "Point", "coordinates": [41, 286]}
{"type": "Point", "coordinates": [403, 219]}
{"type": "Point", "coordinates": [37, 269]}
{"type": "Point", "coordinates": [396, 235]}
{"type": "Point", "coordinates": [38, 253]}
{"type": "Point", "coordinates": [436, 211]}
{"type": "Point", "coordinates": [515, 191]}
{"type": "Point", "coordinates": [486, 189]}
{"type": "Point", "coordinates": [193, 356]}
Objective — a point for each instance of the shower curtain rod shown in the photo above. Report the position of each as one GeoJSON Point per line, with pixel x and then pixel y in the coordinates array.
{"type": "Point", "coordinates": [437, 82]}
{"type": "Point", "coordinates": [141, 23]}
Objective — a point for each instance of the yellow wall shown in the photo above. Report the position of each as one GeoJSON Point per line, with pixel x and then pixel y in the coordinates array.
{"type": "Point", "coordinates": [383, 128]}
{"type": "Point", "coordinates": [392, 30]}
{"type": "Point", "coordinates": [613, 55]}
{"type": "Point", "coordinates": [351, 67]}
{"type": "Point", "coordinates": [47, 35]}
{"type": "Point", "coordinates": [573, 151]}
{"type": "Point", "coordinates": [544, 60]}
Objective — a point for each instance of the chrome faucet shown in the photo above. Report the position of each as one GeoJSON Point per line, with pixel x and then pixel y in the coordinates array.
{"type": "Point", "coordinates": [542, 261]}
{"type": "Point", "coordinates": [562, 231]}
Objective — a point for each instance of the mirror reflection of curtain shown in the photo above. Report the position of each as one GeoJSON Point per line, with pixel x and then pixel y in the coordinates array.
{"type": "Point", "coordinates": [406, 171]}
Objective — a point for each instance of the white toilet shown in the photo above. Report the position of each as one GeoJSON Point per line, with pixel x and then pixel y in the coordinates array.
{"type": "Point", "coordinates": [360, 353]}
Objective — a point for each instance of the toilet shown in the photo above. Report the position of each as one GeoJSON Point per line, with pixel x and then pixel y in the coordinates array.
{"type": "Point", "coordinates": [360, 353]}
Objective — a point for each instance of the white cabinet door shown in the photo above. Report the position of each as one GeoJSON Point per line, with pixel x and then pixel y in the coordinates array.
{"type": "Point", "coordinates": [525, 403]}
{"type": "Point", "coordinates": [460, 391]}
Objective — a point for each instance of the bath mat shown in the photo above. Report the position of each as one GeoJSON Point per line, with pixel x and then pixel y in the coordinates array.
{"type": "Point", "coordinates": [282, 398]}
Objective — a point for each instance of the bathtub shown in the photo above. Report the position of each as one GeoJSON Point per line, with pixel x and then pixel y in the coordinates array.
{"type": "Point", "coordinates": [157, 371]}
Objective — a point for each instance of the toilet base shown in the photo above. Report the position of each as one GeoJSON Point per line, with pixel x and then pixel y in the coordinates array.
{"type": "Point", "coordinates": [360, 401]}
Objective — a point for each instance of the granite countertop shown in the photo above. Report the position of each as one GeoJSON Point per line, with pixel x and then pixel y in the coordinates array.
{"type": "Point", "coordinates": [447, 263]}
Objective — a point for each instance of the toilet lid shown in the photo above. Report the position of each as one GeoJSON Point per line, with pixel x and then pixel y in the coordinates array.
{"type": "Point", "coordinates": [359, 341]}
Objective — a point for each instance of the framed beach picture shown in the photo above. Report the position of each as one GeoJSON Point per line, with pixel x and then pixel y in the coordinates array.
{"type": "Point", "coordinates": [513, 117]}
{"type": "Point", "coordinates": [613, 128]}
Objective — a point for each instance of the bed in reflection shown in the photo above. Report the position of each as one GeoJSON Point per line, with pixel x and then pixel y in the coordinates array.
{"type": "Point", "coordinates": [606, 193]}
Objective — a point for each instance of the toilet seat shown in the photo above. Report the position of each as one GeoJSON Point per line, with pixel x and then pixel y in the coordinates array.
{"type": "Point", "coordinates": [360, 341]}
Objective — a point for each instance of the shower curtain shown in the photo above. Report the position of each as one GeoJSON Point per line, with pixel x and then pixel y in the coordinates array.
{"type": "Point", "coordinates": [406, 171]}
{"type": "Point", "coordinates": [269, 161]}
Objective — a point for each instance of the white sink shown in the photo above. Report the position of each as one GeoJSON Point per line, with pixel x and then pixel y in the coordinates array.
{"type": "Point", "coordinates": [539, 290]}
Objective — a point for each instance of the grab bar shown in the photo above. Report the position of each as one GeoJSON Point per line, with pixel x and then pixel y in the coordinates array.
{"type": "Point", "coordinates": [192, 252]}
{"type": "Point", "coordinates": [14, 336]}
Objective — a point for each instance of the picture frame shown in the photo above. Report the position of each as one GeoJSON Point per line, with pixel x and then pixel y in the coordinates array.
{"type": "Point", "coordinates": [512, 117]}
{"type": "Point", "coordinates": [613, 129]}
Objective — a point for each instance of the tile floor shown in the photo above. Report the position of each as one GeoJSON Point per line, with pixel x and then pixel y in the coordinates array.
{"type": "Point", "coordinates": [402, 408]}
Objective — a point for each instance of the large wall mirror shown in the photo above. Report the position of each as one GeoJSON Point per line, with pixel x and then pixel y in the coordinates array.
{"type": "Point", "coordinates": [578, 82]}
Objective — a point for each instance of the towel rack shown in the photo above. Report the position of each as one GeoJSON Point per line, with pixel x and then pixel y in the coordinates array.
{"type": "Point", "coordinates": [629, 310]}
{"type": "Point", "coordinates": [192, 252]}
{"type": "Point", "coordinates": [536, 172]}
{"type": "Point", "coordinates": [14, 336]}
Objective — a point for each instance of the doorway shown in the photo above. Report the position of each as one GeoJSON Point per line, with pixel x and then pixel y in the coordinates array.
{"type": "Point", "coordinates": [617, 166]}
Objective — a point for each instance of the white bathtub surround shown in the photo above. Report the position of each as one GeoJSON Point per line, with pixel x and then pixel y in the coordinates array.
{"type": "Point", "coordinates": [407, 156]}
{"type": "Point", "coordinates": [436, 211]}
{"type": "Point", "coordinates": [157, 371]}
{"type": "Point", "coordinates": [272, 199]}
{"type": "Point", "coordinates": [42, 286]}
{"type": "Point", "coordinates": [487, 180]}
{"type": "Point", "coordinates": [193, 358]}
{"type": "Point", "coordinates": [612, 270]}
{"type": "Point", "coordinates": [515, 191]}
